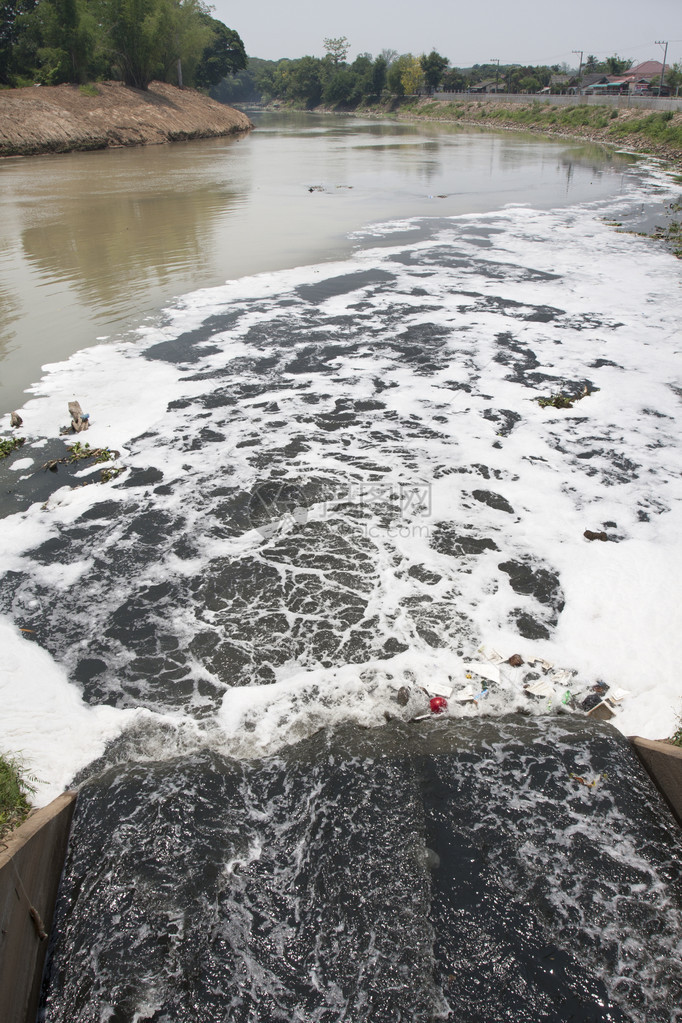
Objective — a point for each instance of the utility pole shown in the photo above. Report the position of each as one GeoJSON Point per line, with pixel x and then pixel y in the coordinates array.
{"type": "Point", "coordinates": [580, 67]}
{"type": "Point", "coordinates": [496, 60]}
{"type": "Point", "coordinates": [660, 42]}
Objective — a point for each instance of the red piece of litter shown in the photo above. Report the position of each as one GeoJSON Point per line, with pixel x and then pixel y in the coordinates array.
{"type": "Point", "coordinates": [438, 704]}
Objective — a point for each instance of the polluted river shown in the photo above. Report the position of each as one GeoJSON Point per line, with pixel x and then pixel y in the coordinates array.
{"type": "Point", "coordinates": [379, 499]}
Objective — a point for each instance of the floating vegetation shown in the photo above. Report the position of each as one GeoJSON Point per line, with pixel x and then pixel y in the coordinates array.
{"type": "Point", "coordinates": [110, 474]}
{"type": "Point", "coordinates": [559, 401]}
{"type": "Point", "coordinates": [79, 451]}
{"type": "Point", "coordinates": [671, 234]}
{"type": "Point", "coordinates": [10, 444]}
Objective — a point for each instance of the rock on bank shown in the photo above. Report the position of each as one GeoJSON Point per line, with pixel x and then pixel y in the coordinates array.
{"type": "Point", "coordinates": [62, 118]}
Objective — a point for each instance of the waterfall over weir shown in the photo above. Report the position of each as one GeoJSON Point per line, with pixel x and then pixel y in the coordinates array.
{"type": "Point", "coordinates": [513, 870]}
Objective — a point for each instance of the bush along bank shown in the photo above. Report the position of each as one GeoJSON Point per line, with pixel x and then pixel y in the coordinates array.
{"type": "Point", "coordinates": [15, 790]}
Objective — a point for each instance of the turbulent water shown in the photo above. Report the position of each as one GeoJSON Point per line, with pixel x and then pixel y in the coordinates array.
{"type": "Point", "coordinates": [412, 872]}
{"type": "Point", "coordinates": [339, 495]}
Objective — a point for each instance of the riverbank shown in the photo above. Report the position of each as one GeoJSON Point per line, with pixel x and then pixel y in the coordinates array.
{"type": "Point", "coordinates": [68, 118]}
{"type": "Point", "coordinates": [657, 134]}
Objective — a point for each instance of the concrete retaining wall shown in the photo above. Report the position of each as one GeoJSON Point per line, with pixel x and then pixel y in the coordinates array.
{"type": "Point", "coordinates": [663, 764]}
{"type": "Point", "coordinates": [31, 863]}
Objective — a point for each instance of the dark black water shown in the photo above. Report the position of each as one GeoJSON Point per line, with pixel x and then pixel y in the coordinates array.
{"type": "Point", "coordinates": [439, 870]}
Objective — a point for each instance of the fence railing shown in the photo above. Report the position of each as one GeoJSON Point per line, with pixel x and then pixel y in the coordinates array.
{"type": "Point", "coordinates": [617, 102]}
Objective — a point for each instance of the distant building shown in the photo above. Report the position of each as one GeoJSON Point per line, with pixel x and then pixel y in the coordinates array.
{"type": "Point", "coordinates": [586, 82]}
{"type": "Point", "coordinates": [490, 85]}
{"type": "Point", "coordinates": [640, 80]}
{"type": "Point", "coordinates": [650, 69]}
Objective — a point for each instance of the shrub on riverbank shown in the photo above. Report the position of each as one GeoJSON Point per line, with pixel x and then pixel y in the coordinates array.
{"type": "Point", "coordinates": [14, 793]}
{"type": "Point", "coordinates": [662, 128]}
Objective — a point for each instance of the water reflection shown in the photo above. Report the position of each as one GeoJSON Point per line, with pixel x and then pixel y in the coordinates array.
{"type": "Point", "coordinates": [92, 243]}
{"type": "Point", "coordinates": [139, 241]}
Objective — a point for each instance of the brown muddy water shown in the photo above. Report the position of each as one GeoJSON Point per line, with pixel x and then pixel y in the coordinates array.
{"type": "Point", "coordinates": [93, 244]}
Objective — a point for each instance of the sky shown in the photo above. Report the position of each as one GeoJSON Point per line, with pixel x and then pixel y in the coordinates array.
{"type": "Point", "coordinates": [513, 31]}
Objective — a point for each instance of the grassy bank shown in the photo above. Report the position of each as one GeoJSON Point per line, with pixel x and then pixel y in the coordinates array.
{"type": "Point", "coordinates": [14, 792]}
{"type": "Point", "coordinates": [659, 133]}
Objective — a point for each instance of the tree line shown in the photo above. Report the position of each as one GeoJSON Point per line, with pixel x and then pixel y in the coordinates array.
{"type": "Point", "coordinates": [49, 42]}
{"type": "Point", "coordinates": [331, 81]}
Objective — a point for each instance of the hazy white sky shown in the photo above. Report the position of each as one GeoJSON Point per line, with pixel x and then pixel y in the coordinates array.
{"type": "Point", "coordinates": [515, 31]}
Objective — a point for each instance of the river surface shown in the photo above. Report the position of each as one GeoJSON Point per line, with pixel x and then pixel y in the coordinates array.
{"type": "Point", "coordinates": [326, 492]}
{"type": "Point", "coordinates": [93, 243]}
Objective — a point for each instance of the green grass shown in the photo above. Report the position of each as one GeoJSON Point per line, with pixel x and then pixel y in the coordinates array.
{"type": "Point", "coordinates": [676, 738]}
{"type": "Point", "coordinates": [89, 89]}
{"type": "Point", "coordinates": [653, 128]}
{"type": "Point", "coordinates": [534, 114]}
{"type": "Point", "coordinates": [15, 789]}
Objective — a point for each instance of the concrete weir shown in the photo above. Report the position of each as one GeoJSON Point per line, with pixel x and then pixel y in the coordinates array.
{"type": "Point", "coordinates": [663, 764]}
{"type": "Point", "coordinates": [32, 859]}
{"type": "Point", "coordinates": [31, 863]}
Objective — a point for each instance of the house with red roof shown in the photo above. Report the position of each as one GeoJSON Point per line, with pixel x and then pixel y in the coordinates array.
{"type": "Point", "coordinates": [642, 79]}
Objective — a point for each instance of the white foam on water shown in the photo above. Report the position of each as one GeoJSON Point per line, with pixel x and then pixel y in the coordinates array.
{"type": "Point", "coordinates": [551, 298]}
{"type": "Point", "coordinates": [45, 722]}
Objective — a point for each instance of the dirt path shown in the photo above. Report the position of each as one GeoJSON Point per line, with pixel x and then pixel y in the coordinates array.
{"type": "Point", "coordinates": [63, 118]}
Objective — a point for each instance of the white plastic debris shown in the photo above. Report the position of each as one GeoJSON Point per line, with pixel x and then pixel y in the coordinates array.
{"type": "Point", "coordinates": [559, 677]}
{"type": "Point", "coordinates": [491, 655]}
{"type": "Point", "coordinates": [467, 693]}
{"type": "Point", "coordinates": [439, 690]}
{"type": "Point", "coordinates": [483, 671]}
{"type": "Point", "coordinates": [540, 688]}
{"type": "Point", "coordinates": [617, 695]}
{"type": "Point", "coordinates": [547, 665]}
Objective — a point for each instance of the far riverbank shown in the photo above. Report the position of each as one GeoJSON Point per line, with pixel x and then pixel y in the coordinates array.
{"type": "Point", "coordinates": [68, 118]}
{"type": "Point", "coordinates": [655, 133]}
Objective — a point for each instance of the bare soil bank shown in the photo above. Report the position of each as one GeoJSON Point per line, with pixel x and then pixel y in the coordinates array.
{"type": "Point", "coordinates": [63, 118]}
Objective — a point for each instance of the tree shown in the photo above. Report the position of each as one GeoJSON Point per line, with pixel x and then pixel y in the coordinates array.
{"type": "Point", "coordinates": [183, 31]}
{"type": "Point", "coordinates": [412, 76]}
{"type": "Point", "coordinates": [224, 55]}
{"type": "Point", "coordinates": [394, 77]}
{"type": "Point", "coordinates": [148, 38]}
{"type": "Point", "coordinates": [529, 83]}
{"type": "Point", "coordinates": [591, 64]}
{"type": "Point", "coordinates": [434, 67]}
{"type": "Point", "coordinates": [133, 33]}
{"type": "Point", "coordinates": [337, 49]}
{"type": "Point", "coordinates": [304, 81]}
{"type": "Point", "coordinates": [378, 81]}
{"type": "Point", "coordinates": [617, 65]}
{"type": "Point", "coordinates": [339, 87]}
{"type": "Point", "coordinates": [673, 77]}
{"type": "Point", "coordinates": [454, 80]}
{"type": "Point", "coordinates": [20, 37]}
